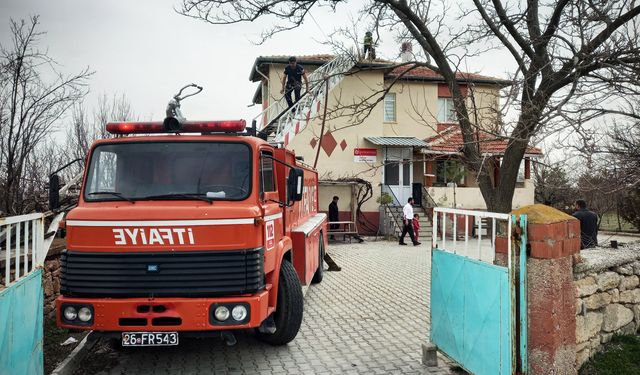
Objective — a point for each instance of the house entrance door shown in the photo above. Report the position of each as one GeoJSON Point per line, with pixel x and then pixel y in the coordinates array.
{"type": "Point", "coordinates": [398, 174]}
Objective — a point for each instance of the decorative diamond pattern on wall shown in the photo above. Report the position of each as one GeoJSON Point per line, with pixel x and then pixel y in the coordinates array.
{"type": "Point", "coordinates": [343, 144]}
{"type": "Point", "coordinates": [313, 142]}
{"type": "Point", "coordinates": [328, 143]}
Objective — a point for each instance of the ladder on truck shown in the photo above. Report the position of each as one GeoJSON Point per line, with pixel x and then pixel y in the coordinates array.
{"type": "Point", "coordinates": [284, 123]}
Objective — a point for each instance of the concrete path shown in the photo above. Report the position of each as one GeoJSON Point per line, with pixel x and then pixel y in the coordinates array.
{"type": "Point", "coordinates": [369, 318]}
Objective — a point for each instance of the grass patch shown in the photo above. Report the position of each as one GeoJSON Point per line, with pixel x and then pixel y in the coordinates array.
{"type": "Point", "coordinates": [610, 222]}
{"type": "Point", "coordinates": [620, 357]}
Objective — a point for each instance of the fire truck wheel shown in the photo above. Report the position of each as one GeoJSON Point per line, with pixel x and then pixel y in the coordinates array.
{"type": "Point", "coordinates": [319, 275]}
{"type": "Point", "coordinates": [288, 314]}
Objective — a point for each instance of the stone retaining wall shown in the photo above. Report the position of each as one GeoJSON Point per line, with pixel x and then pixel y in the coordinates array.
{"type": "Point", "coordinates": [607, 287]}
{"type": "Point", "coordinates": [51, 278]}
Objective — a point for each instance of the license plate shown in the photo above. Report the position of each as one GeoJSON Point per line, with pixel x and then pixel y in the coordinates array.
{"type": "Point", "coordinates": [149, 338]}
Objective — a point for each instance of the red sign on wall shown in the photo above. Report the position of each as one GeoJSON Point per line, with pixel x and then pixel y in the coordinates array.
{"type": "Point", "coordinates": [365, 155]}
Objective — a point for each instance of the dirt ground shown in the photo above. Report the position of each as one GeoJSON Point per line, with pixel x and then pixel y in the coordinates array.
{"type": "Point", "coordinates": [54, 353]}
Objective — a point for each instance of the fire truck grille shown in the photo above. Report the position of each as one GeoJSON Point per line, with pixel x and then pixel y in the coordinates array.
{"type": "Point", "coordinates": [176, 274]}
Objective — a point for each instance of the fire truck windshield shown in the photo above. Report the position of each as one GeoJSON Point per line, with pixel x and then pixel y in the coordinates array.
{"type": "Point", "coordinates": [169, 170]}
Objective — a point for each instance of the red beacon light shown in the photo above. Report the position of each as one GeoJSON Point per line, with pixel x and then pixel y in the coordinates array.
{"type": "Point", "coordinates": [229, 126]}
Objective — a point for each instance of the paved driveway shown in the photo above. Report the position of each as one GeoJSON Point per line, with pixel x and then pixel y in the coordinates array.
{"type": "Point", "coordinates": [369, 318]}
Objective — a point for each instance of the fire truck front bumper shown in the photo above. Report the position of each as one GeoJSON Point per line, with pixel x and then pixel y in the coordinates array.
{"type": "Point", "coordinates": [163, 314]}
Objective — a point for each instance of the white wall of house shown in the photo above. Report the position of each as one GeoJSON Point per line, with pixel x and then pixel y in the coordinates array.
{"type": "Point", "coordinates": [471, 198]}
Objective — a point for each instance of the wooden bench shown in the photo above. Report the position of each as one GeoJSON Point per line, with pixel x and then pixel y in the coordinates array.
{"type": "Point", "coordinates": [344, 228]}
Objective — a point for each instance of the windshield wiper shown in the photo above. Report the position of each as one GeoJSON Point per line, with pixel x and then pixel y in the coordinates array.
{"type": "Point", "coordinates": [197, 196]}
{"type": "Point", "coordinates": [114, 193]}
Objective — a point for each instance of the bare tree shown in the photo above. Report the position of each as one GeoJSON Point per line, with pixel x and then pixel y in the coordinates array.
{"type": "Point", "coordinates": [562, 50]}
{"type": "Point", "coordinates": [33, 98]}
{"type": "Point", "coordinates": [86, 128]}
{"type": "Point", "coordinates": [554, 186]}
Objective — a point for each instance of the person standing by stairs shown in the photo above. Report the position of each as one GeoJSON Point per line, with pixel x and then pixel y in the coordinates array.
{"type": "Point", "coordinates": [293, 74]}
{"type": "Point", "coordinates": [407, 221]}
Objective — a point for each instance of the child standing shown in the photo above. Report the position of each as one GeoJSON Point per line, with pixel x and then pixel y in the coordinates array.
{"type": "Point", "coordinates": [416, 225]}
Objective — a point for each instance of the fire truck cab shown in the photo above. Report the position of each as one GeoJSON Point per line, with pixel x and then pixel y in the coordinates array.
{"type": "Point", "coordinates": [199, 227]}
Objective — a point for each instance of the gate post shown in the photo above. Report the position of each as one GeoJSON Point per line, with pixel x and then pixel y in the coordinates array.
{"type": "Point", "coordinates": [553, 237]}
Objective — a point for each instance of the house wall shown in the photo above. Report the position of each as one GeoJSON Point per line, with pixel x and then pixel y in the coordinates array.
{"type": "Point", "coordinates": [416, 110]}
{"type": "Point", "coordinates": [416, 113]}
{"type": "Point", "coordinates": [471, 197]}
{"type": "Point", "coordinates": [336, 159]}
{"type": "Point", "coordinates": [485, 100]}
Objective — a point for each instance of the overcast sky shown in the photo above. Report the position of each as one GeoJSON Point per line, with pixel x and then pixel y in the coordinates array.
{"type": "Point", "coordinates": [147, 51]}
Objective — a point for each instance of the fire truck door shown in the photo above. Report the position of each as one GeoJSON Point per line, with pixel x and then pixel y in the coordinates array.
{"type": "Point", "coordinates": [273, 224]}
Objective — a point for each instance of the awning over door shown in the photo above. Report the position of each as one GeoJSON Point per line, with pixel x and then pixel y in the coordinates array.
{"type": "Point", "coordinates": [397, 141]}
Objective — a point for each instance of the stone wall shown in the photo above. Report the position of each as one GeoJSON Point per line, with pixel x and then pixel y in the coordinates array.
{"type": "Point", "coordinates": [51, 278]}
{"type": "Point", "coordinates": [607, 287]}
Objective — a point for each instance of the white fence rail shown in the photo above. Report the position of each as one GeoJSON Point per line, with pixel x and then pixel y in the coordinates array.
{"type": "Point", "coordinates": [22, 246]}
{"type": "Point", "coordinates": [477, 237]}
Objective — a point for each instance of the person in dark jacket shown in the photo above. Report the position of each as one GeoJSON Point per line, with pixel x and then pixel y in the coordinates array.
{"type": "Point", "coordinates": [333, 214]}
{"type": "Point", "coordinates": [588, 225]}
{"type": "Point", "coordinates": [292, 81]}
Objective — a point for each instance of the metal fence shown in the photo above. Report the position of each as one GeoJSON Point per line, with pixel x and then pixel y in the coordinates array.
{"type": "Point", "coordinates": [477, 237]}
{"type": "Point", "coordinates": [22, 247]}
{"type": "Point", "coordinates": [477, 297]}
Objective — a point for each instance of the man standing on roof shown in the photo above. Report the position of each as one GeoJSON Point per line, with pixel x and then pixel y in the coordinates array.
{"type": "Point", "coordinates": [368, 45]}
{"type": "Point", "coordinates": [293, 74]}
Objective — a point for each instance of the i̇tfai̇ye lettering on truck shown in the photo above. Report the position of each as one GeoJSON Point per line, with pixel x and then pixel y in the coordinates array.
{"type": "Point", "coordinates": [190, 227]}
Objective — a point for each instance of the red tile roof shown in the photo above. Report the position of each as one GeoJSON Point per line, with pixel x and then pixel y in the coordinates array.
{"type": "Point", "coordinates": [424, 73]}
{"type": "Point", "coordinates": [449, 140]}
{"type": "Point", "coordinates": [415, 74]}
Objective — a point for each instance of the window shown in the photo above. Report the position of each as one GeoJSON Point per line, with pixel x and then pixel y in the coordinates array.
{"type": "Point", "coordinates": [449, 171]}
{"type": "Point", "coordinates": [169, 170]}
{"type": "Point", "coordinates": [266, 172]}
{"type": "Point", "coordinates": [520, 179]}
{"type": "Point", "coordinates": [406, 172]}
{"type": "Point", "coordinates": [390, 107]}
{"type": "Point", "coordinates": [391, 173]}
{"type": "Point", "coordinates": [446, 112]}
{"type": "Point", "coordinates": [105, 164]}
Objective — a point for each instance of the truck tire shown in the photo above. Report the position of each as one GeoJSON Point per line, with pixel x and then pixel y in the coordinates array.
{"type": "Point", "coordinates": [319, 275]}
{"type": "Point", "coordinates": [288, 314]}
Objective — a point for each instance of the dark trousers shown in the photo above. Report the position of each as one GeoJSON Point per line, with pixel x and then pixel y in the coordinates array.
{"type": "Point", "coordinates": [408, 228]}
{"type": "Point", "coordinates": [295, 89]}
{"type": "Point", "coordinates": [333, 227]}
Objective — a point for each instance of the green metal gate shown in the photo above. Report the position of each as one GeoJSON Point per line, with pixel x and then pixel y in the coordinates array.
{"type": "Point", "coordinates": [474, 310]}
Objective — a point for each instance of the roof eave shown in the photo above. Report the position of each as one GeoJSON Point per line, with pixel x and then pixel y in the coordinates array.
{"type": "Point", "coordinates": [499, 82]}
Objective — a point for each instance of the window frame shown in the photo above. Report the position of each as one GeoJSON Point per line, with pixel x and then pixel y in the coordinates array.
{"type": "Point", "coordinates": [384, 107]}
{"type": "Point", "coordinates": [269, 156]}
{"type": "Point", "coordinates": [448, 109]}
{"type": "Point", "coordinates": [92, 154]}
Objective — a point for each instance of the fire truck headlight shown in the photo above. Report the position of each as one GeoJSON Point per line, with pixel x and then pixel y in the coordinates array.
{"type": "Point", "coordinates": [222, 313]}
{"type": "Point", "coordinates": [239, 313]}
{"type": "Point", "coordinates": [84, 314]}
{"type": "Point", "coordinates": [70, 313]}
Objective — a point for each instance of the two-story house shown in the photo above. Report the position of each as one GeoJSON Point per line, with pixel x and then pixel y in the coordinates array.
{"type": "Point", "coordinates": [395, 128]}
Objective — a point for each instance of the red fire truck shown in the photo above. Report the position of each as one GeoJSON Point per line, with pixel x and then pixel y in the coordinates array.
{"type": "Point", "coordinates": [185, 227]}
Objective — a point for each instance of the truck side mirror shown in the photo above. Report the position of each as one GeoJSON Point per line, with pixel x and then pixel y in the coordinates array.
{"type": "Point", "coordinates": [296, 183]}
{"type": "Point", "coordinates": [54, 191]}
